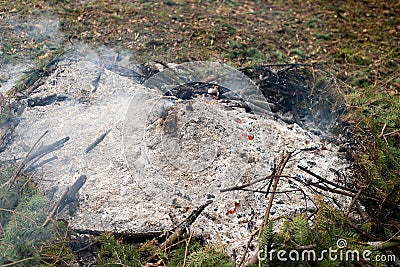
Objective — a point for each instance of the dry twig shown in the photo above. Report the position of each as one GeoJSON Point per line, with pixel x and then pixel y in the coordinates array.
{"type": "Point", "coordinates": [55, 208]}
{"type": "Point", "coordinates": [352, 202]}
{"type": "Point", "coordinates": [68, 196]}
{"type": "Point", "coordinates": [276, 175]}
{"type": "Point", "coordinates": [325, 180]}
{"type": "Point", "coordinates": [187, 246]}
{"type": "Point", "coordinates": [23, 162]}
{"type": "Point", "coordinates": [16, 262]}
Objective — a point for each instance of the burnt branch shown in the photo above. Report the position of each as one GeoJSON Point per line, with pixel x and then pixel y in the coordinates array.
{"type": "Point", "coordinates": [182, 227]}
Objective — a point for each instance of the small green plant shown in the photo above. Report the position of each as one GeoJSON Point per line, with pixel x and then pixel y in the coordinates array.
{"type": "Point", "coordinates": [23, 233]}
{"type": "Point", "coordinates": [196, 255]}
{"type": "Point", "coordinates": [209, 256]}
{"type": "Point", "coordinates": [114, 252]}
{"type": "Point", "coordinates": [23, 239]}
{"type": "Point", "coordinates": [312, 23]}
{"type": "Point", "coordinates": [177, 255]}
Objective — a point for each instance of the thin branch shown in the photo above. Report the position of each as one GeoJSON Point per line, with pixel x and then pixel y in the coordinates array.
{"type": "Point", "coordinates": [187, 246]}
{"type": "Point", "coordinates": [248, 245]}
{"type": "Point", "coordinates": [20, 214]}
{"type": "Point", "coordinates": [27, 181]}
{"type": "Point", "coordinates": [245, 185]}
{"type": "Point", "coordinates": [355, 227]}
{"type": "Point", "coordinates": [16, 262]}
{"type": "Point", "coordinates": [276, 181]}
{"type": "Point", "coordinates": [276, 65]}
{"type": "Point", "coordinates": [22, 164]}
{"type": "Point", "coordinates": [44, 150]}
{"type": "Point", "coordinates": [394, 132]}
{"type": "Point", "coordinates": [352, 202]}
{"type": "Point", "coordinates": [325, 180]}
{"type": "Point", "coordinates": [184, 225]}
{"type": "Point", "coordinates": [344, 193]}
{"type": "Point", "coordinates": [383, 130]}
{"type": "Point", "coordinates": [394, 237]}
{"type": "Point", "coordinates": [383, 244]}
{"type": "Point", "coordinates": [276, 176]}
{"type": "Point", "coordinates": [266, 192]}
{"type": "Point", "coordinates": [219, 238]}
{"type": "Point", "coordinates": [87, 246]}
{"type": "Point", "coordinates": [55, 208]}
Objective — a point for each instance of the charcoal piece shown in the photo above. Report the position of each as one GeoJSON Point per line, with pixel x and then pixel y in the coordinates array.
{"type": "Point", "coordinates": [71, 196]}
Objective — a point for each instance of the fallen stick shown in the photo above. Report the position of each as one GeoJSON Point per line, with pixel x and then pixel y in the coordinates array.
{"type": "Point", "coordinates": [54, 209]}
{"type": "Point", "coordinates": [68, 196]}
{"type": "Point", "coordinates": [245, 185]}
{"type": "Point", "coordinates": [276, 175]}
{"type": "Point", "coordinates": [47, 149]}
{"type": "Point", "coordinates": [72, 193]}
{"type": "Point", "coordinates": [19, 214]}
{"type": "Point", "coordinates": [187, 246]}
{"type": "Point", "coordinates": [97, 141]}
{"type": "Point", "coordinates": [352, 202]}
{"type": "Point", "coordinates": [247, 247]}
{"type": "Point", "coordinates": [32, 167]}
{"type": "Point", "coordinates": [43, 151]}
{"type": "Point", "coordinates": [266, 192]}
{"type": "Point", "coordinates": [325, 180]}
{"type": "Point", "coordinates": [15, 263]}
{"type": "Point", "coordinates": [358, 229]}
{"type": "Point", "coordinates": [23, 162]}
{"type": "Point", "coordinates": [383, 244]}
{"type": "Point", "coordinates": [181, 228]}
{"type": "Point", "coordinates": [342, 192]}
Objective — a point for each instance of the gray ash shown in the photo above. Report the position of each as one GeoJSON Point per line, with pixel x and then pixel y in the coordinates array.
{"type": "Point", "coordinates": [306, 92]}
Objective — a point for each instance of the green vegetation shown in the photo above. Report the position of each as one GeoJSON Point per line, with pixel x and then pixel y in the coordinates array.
{"type": "Point", "coordinates": [114, 252]}
{"type": "Point", "coordinates": [23, 239]}
{"type": "Point", "coordinates": [328, 230]}
{"type": "Point", "coordinates": [377, 114]}
{"type": "Point", "coordinates": [196, 255]}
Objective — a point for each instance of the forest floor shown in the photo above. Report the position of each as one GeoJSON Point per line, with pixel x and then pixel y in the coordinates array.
{"type": "Point", "coordinates": [357, 41]}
